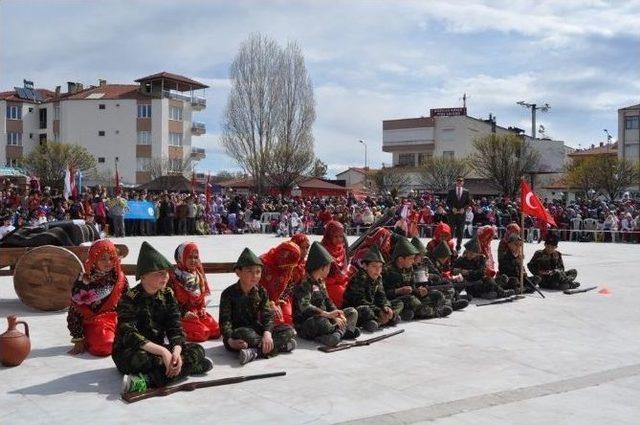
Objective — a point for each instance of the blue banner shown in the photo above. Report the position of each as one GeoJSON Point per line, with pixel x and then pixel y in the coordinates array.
{"type": "Point", "coordinates": [140, 210]}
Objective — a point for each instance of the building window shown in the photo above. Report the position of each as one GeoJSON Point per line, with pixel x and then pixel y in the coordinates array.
{"type": "Point", "coordinates": [424, 157]}
{"type": "Point", "coordinates": [14, 112]}
{"type": "Point", "coordinates": [43, 118]}
{"type": "Point", "coordinates": [144, 137]}
{"type": "Point", "coordinates": [102, 106]}
{"type": "Point", "coordinates": [14, 139]}
{"type": "Point", "coordinates": [406, 160]}
{"type": "Point", "coordinates": [56, 112]}
{"type": "Point", "coordinates": [448, 154]}
{"type": "Point", "coordinates": [175, 139]}
{"type": "Point", "coordinates": [175, 113]}
{"type": "Point", "coordinates": [101, 133]}
{"type": "Point", "coordinates": [632, 123]}
{"type": "Point", "coordinates": [101, 160]}
{"type": "Point", "coordinates": [142, 164]}
{"type": "Point", "coordinates": [144, 110]}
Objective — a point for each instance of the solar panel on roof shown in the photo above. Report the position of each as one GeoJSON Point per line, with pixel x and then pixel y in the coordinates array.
{"type": "Point", "coordinates": [29, 94]}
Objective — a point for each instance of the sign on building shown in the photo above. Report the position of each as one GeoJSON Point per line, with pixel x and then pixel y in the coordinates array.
{"type": "Point", "coordinates": [448, 112]}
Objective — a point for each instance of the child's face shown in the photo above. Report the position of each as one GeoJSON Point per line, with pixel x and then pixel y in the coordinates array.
{"type": "Point", "coordinates": [104, 263]}
{"type": "Point", "coordinates": [192, 260]}
{"type": "Point", "coordinates": [154, 281]}
{"type": "Point", "coordinates": [373, 269]}
{"type": "Point", "coordinates": [324, 271]}
{"type": "Point", "coordinates": [417, 259]}
{"type": "Point", "coordinates": [404, 262]}
{"type": "Point", "coordinates": [249, 275]}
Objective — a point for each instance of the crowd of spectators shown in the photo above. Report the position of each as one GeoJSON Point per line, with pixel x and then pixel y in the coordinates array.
{"type": "Point", "coordinates": [187, 214]}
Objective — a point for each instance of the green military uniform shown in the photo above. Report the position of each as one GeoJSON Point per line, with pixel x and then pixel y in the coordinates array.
{"type": "Point", "coordinates": [550, 268]}
{"type": "Point", "coordinates": [395, 277]}
{"type": "Point", "coordinates": [248, 316]}
{"type": "Point", "coordinates": [439, 275]}
{"type": "Point", "coordinates": [143, 318]}
{"type": "Point", "coordinates": [509, 267]}
{"type": "Point", "coordinates": [474, 273]}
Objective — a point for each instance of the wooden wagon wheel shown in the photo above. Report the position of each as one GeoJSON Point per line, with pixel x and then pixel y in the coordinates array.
{"type": "Point", "coordinates": [44, 276]}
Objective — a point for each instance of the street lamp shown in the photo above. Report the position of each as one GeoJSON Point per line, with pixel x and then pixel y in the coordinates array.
{"type": "Point", "coordinates": [365, 153]}
{"type": "Point", "coordinates": [608, 135]}
{"type": "Point", "coordinates": [534, 108]}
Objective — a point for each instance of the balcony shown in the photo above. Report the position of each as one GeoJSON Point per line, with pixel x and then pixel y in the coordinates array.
{"type": "Point", "coordinates": [198, 128]}
{"type": "Point", "coordinates": [197, 103]}
{"type": "Point", "coordinates": [198, 153]}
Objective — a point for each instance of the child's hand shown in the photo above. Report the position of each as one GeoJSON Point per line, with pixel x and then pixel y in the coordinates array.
{"type": "Point", "coordinates": [190, 315]}
{"type": "Point", "coordinates": [176, 361]}
{"type": "Point", "coordinates": [267, 342]}
{"type": "Point", "coordinates": [167, 360]}
{"type": "Point", "coordinates": [237, 344]}
{"type": "Point", "coordinates": [78, 348]}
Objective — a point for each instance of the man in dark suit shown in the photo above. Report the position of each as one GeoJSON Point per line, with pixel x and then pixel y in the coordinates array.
{"type": "Point", "coordinates": [458, 199]}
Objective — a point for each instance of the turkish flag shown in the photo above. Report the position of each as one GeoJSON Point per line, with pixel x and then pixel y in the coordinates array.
{"type": "Point", "coordinates": [531, 205]}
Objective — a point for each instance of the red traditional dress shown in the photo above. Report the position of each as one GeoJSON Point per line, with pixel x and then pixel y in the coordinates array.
{"type": "Point", "coordinates": [190, 287]}
{"type": "Point", "coordinates": [485, 236]}
{"type": "Point", "coordinates": [303, 243]}
{"type": "Point", "coordinates": [381, 237]}
{"type": "Point", "coordinates": [279, 264]}
{"type": "Point", "coordinates": [334, 241]}
{"type": "Point", "coordinates": [441, 232]}
{"type": "Point", "coordinates": [92, 315]}
{"type": "Point", "coordinates": [511, 229]}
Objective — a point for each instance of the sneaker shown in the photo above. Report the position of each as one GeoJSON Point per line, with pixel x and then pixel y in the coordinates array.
{"type": "Point", "coordinates": [134, 383]}
{"type": "Point", "coordinates": [574, 285]}
{"type": "Point", "coordinates": [371, 326]}
{"type": "Point", "coordinates": [330, 340]}
{"type": "Point", "coordinates": [290, 346]}
{"type": "Point", "coordinates": [444, 311]}
{"type": "Point", "coordinates": [355, 333]}
{"type": "Point", "coordinates": [247, 355]}
{"type": "Point", "coordinates": [208, 364]}
{"type": "Point", "coordinates": [459, 304]}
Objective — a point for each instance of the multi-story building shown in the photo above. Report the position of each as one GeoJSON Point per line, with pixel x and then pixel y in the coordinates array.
{"type": "Point", "coordinates": [450, 133]}
{"type": "Point", "coordinates": [629, 133]}
{"type": "Point", "coordinates": [130, 124]}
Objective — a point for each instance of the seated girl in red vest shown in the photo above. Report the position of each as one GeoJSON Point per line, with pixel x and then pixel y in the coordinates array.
{"type": "Point", "coordinates": [298, 273]}
{"type": "Point", "coordinates": [190, 287]}
{"type": "Point", "coordinates": [335, 242]}
{"type": "Point", "coordinates": [279, 264]}
{"type": "Point", "coordinates": [92, 317]}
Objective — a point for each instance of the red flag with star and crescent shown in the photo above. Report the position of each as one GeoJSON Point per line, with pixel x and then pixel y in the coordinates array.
{"type": "Point", "coordinates": [531, 205]}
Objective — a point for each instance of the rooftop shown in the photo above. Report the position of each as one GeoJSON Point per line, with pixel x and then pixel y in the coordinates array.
{"type": "Point", "coordinates": [173, 81]}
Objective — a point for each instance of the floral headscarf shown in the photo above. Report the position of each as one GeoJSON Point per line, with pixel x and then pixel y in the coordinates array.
{"type": "Point", "coordinates": [279, 263]}
{"type": "Point", "coordinates": [300, 239]}
{"type": "Point", "coordinates": [97, 249]}
{"type": "Point", "coordinates": [193, 280]}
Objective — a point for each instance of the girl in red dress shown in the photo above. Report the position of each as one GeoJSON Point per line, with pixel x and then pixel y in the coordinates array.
{"type": "Point", "coordinates": [441, 232]}
{"type": "Point", "coordinates": [279, 264]}
{"type": "Point", "coordinates": [190, 287]}
{"type": "Point", "coordinates": [380, 237]}
{"type": "Point", "coordinates": [511, 229]}
{"type": "Point", "coordinates": [92, 316]}
{"type": "Point", "coordinates": [335, 242]}
{"type": "Point", "coordinates": [485, 236]}
{"type": "Point", "coordinates": [303, 243]}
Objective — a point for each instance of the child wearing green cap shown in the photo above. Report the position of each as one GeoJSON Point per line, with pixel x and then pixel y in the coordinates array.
{"type": "Point", "coordinates": [315, 315]}
{"type": "Point", "coordinates": [147, 314]}
{"type": "Point", "coordinates": [510, 265]}
{"type": "Point", "coordinates": [247, 316]}
{"type": "Point", "coordinates": [547, 263]}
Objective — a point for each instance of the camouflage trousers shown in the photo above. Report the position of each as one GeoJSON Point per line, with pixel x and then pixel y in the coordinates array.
{"type": "Point", "coordinates": [481, 287]}
{"type": "Point", "coordinates": [512, 282]}
{"type": "Point", "coordinates": [421, 307]}
{"type": "Point", "coordinates": [139, 361]}
{"type": "Point", "coordinates": [559, 279]}
{"type": "Point", "coordinates": [317, 326]}
{"type": "Point", "coordinates": [367, 313]}
{"type": "Point", "coordinates": [281, 335]}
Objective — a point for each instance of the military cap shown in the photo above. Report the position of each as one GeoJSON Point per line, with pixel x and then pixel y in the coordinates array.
{"type": "Point", "coordinates": [247, 259]}
{"type": "Point", "coordinates": [442, 250]}
{"type": "Point", "coordinates": [373, 256]}
{"type": "Point", "coordinates": [403, 248]}
{"type": "Point", "coordinates": [473, 245]}
{"type": "Point", "coordinates": [318, 257]}
{"type": "Point", "coordinates": [417, 243]}
{"type": "Point", "coordinates": [150, 260]}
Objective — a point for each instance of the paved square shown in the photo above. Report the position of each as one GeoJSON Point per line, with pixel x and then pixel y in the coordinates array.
{"type": "Point", "coordinates": [562, 360]}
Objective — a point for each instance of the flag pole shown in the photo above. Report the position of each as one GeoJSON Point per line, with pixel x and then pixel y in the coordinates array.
{"type": "Point", "coordinates": [522, 244]}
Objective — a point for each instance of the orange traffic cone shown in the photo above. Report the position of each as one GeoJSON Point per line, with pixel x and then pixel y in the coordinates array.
{"type": "Point", "coordinates": [605, 291]}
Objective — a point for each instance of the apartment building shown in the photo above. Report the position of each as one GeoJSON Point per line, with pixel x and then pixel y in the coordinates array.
{"type": "Point", "coordinates": [629, 133]}
{"type": "Point", "coordinates": [130, 124]}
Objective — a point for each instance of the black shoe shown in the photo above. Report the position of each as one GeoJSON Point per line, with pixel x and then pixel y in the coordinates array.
{"type": "Point", "coordinates": [330, 340]}
{"type": "Point", "coordinates": [459, 304]}
{"type": "Point", "coordinates": [355, 333]}
{"type": "Point", "coordinates": [394, 321]}
{"type": "Point", "coordinates": [371, 326]}
{"type": "Point", "coordinates": [407, 315]}
{"type": "Point", "coordinates": [444, 311]}
{"type": "Point", "coordinates": [492, 295]}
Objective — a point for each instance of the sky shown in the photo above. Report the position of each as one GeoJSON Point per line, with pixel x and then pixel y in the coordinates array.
{"type": "Point", "coordinates": [368, 60]}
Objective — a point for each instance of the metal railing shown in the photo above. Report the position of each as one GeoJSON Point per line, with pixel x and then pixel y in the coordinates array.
{"type": "Point", "coordinates": [194, 100]}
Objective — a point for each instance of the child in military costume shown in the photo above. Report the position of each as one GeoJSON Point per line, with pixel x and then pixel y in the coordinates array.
{"type": "Point", "coordinates": [510, 265]}
{"type": "Point", "coordinates": [146, 315]}
{"type": "Point", "coordinates": [438, 267]}
{"type": "Point", "coordinates": [397, 278]}
{"type": "Point", "coordinates": [472, 266]}
{"type": "Point", "coordinates": [365, 293]}
{"type": "Point", "coordinates": [315, 315]}
{"type": "Point", "coordinates": [247, 315]}
{"type": "Point", "coordinates": [547, 263]}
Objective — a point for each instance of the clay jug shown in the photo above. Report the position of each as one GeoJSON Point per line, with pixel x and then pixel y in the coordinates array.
{"type": "Point", "coordinates": [14, 345]}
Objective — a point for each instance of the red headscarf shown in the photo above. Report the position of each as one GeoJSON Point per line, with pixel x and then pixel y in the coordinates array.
{"type": "Point", "coordinates": [338, 251]}
{"type": "Point", "coordinates": [183, 251]}
{"type": "Point", "coordinates": [485, 236]}
{"type": "Point", "coordinates": [381, 237]}
{"type": "Point", "coordinates": [441, 231]}
{"type": "Point", "coordinates": [279, 263]}
{"type": "Point", "coordinates": [511, 229]}
{"type": "Point", "coordinates": [300, 239]}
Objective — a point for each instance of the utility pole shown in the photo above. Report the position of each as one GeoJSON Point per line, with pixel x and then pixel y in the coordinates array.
{"type": "Point", "coordinates": [534, 107]}
{"type": "Point", "coordinates": [366, 165]}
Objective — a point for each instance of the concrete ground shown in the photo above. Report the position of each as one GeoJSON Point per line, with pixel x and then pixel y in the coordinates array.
{"type": "Point", "coordinates": [561, 360]}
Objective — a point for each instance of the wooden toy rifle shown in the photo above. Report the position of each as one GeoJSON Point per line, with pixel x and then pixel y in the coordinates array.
{"type": "Point", "coordinates": [359, 343]}
{"type": "Point", "coordinates": [578, 291]}
{"type": "Point", "coordinates": [502, 300]}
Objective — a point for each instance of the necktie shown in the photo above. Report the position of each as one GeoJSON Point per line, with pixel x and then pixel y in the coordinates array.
{"type": "Point", "coordinates": [459, 192]}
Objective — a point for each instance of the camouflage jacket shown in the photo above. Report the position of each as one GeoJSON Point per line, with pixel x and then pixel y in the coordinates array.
{"type": "Point", "coordinates": [542, 262]}
{"type": "Point", "coordinates": [310, 298]}
{"type": "Point", "coordinates": [394, 278]}
{"type": "Point", "coordinates": [508, 264]}
{"type": "Point", "coordinates": [146, 318]}
{"type": "Point", "coordinates": [475, 267]}
{"type": "Point", "coordinates": [240, 310]}
{"type": "Point", "coordinates": [362, 290]}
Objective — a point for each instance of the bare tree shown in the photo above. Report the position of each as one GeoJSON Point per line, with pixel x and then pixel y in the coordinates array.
{"type": "Point", "coordinates": [391, 179]}
{"type": "Point", "coordinates": [504, 159]}
{"type": "Point", "coordinates": [613, 175]}
{"type": "Point", "coordinates": [270, 113]}
{"type": "Point", "coordinates": [319, 169]}
{"type": "Point", "coordinates": [50, 160]}
{"type": "Point", "coordinates": [581, 174]}
{"type": "Point", "coordinates": [161, 166]}
{"type": "Point", "coordinates": [439, 174]}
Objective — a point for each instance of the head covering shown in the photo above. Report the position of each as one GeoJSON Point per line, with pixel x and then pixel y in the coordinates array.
{"type": "Point", "coordinates": [318, 257]}
{"type": "Point", "coordinates": [373, 256]}
{"type": "Point", "coordinates": [97, 249]}
{"type": "Point", "coordinates": [473, 245]}
{"type": "Point", "coordinates": [247, 258]}
{"type": "Point", "coordinates": [279, 263]}
{"type": "Point", "coordinates": [403, 248]}
{"type": "Point", "coordinates": [511, 229]}
{"type": "Point", "coordinates": [417, 244]}
{"type": "Point", "coordinates": [441, 230]}
{"type": "Point", "coordinates": [442, 250]}
{"type": "Point", "coordinates": [485, 235]}
{"type": "Point", "coordinates": [551, 239]}
{"type": "Point", "coordinates": [300, 239]}
{"type": "Point", "coordinates": [285, 255]}
{"type": "Point", "coordinates": [332, 229]}
{"type": "Point", "coordinates": [514, 237]}
{"type": "Point", "coordinates": [192, 279]}
{"type": "Point", "coordinates": [150, 260]}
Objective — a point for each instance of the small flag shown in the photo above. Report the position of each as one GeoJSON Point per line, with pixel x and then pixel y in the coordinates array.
{"type": "Point", "coordinates": [531, 205]}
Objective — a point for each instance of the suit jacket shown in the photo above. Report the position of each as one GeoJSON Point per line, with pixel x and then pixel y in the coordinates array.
{"type": "Point", "coordinates": [454, 202]}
